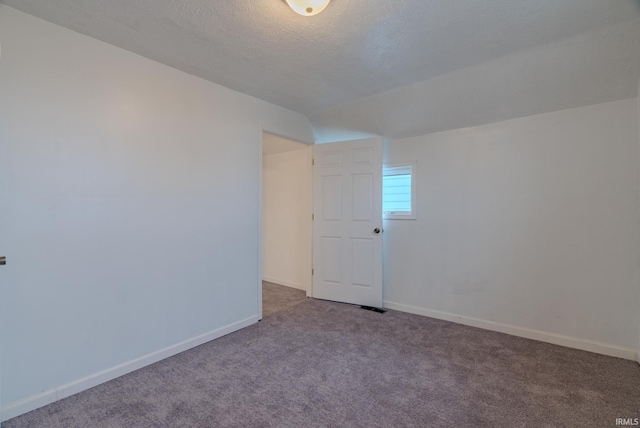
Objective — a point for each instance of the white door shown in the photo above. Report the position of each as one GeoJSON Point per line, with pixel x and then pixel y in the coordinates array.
{"type": "Point", "coordinates": [347, 226]}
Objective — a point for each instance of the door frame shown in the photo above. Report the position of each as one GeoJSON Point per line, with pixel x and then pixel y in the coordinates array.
{"type": "Point", "coordinates": [309, 150]}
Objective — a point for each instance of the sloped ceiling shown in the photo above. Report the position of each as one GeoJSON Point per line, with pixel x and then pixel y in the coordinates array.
{"type": "Point", "coordinates": [393, 68]}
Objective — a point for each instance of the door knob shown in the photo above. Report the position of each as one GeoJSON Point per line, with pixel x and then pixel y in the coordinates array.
{"type": "Point", "coordinates": [376, 230]}
{"type": "Point", "coordinates": [3, 260]}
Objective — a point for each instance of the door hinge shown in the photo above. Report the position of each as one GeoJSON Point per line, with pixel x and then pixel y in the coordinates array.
{"type": "Point", "coordinates": [313, 161]}
{"type": "Point", "coordinates": [312, 272]}
{"type": "Point", "coordinates": [313, 216]}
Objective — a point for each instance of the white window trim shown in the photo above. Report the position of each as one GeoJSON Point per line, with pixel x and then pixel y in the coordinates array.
{"type": "Point", "coordinates": [411, 216]}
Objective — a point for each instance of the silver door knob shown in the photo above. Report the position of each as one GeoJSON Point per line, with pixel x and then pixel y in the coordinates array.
{"type": "Point", "coordinates": [3, 260]}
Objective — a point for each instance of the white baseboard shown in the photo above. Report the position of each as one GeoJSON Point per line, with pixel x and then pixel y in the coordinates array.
{"type": "Point", "coordinates": [556, 339]}
{"type": "Point", "coordinates": [25, 405]}
{"type": "Point", "coordinates": [285, 283]}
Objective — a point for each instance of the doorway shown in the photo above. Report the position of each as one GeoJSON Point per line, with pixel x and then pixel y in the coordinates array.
{"type": "Point", "coordinates": [286, 223]}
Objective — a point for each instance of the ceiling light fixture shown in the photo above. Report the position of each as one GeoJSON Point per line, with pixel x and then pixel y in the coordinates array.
{"type": "Point", "coordinates": [308, 7]}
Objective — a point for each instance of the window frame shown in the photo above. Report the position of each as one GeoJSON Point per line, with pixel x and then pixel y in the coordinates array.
{"type": "Point", "coordinates": [412, 214]}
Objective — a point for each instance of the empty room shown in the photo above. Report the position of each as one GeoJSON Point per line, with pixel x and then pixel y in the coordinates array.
{"type": "Point", "coordinates": [319, 213]}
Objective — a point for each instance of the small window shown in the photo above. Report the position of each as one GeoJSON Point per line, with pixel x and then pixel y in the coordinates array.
{"type": "Point", "coordinates": [398, 191]}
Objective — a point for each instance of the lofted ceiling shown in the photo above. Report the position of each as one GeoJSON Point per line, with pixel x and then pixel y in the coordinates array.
{"type": "Point", "coordinates": [395, 68]}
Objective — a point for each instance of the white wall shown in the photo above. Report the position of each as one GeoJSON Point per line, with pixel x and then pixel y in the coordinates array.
{"type": "Point", "coordinates": [638, 110]}
{"type": "Point", "coordinates": [286, 218]}
{"type": "Point", "coordinates": [130, 206]}
{"type": "Point", "coordinates": [528, 226]}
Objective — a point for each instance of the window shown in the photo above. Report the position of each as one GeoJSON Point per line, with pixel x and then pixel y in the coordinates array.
{"type": "Point", "coordinates": [399, 191]}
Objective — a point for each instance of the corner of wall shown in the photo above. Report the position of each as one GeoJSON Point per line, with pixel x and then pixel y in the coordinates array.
{"type": "Point", "coordinates": [286, 123]}
{"type": "Point", "coordinates": [638, 305]}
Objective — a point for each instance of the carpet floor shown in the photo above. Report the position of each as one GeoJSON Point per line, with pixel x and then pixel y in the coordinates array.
{"type": "Point", "coordinates": [325, 364]}
{"type": "Point", "coordinates": [276, 297]}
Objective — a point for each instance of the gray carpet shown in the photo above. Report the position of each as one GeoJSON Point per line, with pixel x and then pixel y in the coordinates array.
{"type": "Point", "coordinates": [276, 298]}
{"type": "Point", "coordinates": [325, 364]}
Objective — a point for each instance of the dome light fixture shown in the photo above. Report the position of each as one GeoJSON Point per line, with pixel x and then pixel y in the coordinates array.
{"type": "Point", "coordinates": [308, 7]}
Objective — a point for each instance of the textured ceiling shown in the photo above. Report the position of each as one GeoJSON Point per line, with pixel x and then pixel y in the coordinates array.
{"type": "Point", "coordinates": [357, 53]}
{"type": "Point", "coordinates": [591, 68]}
